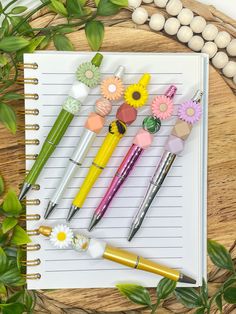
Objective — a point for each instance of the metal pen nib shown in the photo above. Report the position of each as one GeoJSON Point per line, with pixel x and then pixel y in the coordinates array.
{"type": "Point", "coordinates": [25, 188]}
{"type": "Point", "coordinates": [95, 219]}
{"type": "Point", "coordinates": [49, 209]}
{"type": "Point", "coordinates": [73, 210]}
{"type": "Point", "coordinates": [186, 279]}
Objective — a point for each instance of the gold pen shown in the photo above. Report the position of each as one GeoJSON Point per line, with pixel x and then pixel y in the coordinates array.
{"type": "Point", "coordinates": [62, 236]}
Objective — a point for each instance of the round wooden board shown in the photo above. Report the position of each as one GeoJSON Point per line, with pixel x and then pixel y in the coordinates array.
{"type": "Point", "coordinates": [221, 169]}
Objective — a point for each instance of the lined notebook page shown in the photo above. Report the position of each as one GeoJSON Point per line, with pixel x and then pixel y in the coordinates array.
{"type": "Point", "coordinates": [173, 232]}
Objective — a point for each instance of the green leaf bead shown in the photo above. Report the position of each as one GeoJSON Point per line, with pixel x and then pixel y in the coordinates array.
{"type": "Point", "coordinates": [151, 124]}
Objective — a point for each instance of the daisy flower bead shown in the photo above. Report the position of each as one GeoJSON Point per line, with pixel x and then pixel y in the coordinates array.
{"type": "Point", "coordinates": [190, 112]}
{"type": "Point", "coordinates": [61, 236]}
{"type": "Point", "coordinates": [162, 107]}
{"type": "Point", "coordinates": [112, 88]}
{"type": "Point", "coordinates": [88, 74]}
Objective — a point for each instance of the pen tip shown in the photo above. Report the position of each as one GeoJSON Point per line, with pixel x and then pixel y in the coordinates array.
{"type": "Point", "coordinates": [186, 279]}
{"type": "Point", "coordinates": [132, 234]}
{"type": "Point", "coordinates": [93, 222]}
{"type": "Point", "coordinates": [25, 188]}
{"type": "Point", "coordinates": [49, 209]}
{"type": "Point", "coordinates": [72, 212]}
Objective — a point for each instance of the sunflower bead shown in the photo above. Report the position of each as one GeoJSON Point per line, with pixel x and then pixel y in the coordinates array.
{"type": "Point", "coordinates": [151, 124]}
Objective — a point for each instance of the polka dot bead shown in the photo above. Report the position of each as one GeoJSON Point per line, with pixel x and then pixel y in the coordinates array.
{"type": "Point", "coordinates": [157, 22]}
{"type": "Point", "coordinates": [140, 16]}
{"type": "Point", "coordinates": [161, 3]}
{"type": "Point", "coordinates": [174, 7]}
{"type": "Point", "coordinates": [230, 69]}
{"type": "Point", "coordinates": [172, 26]}
{"type": "Point", "coordinates": [210, 32]}
{"type": "Point", "coordinates": [198, 24]}
{"type": "Point", "coordinates": [210, 48]}
{"type": "Point", "coordinates": [184, 34]}
{"type": "Point", "coordinates": [220, 60]}
{"type": "Point", "coordinates": [185, 16]}
{"type": "Point", "coordinates": [133, 4]}
{"type": "Point", "coordinates": [196, 43]}
{"type": "Point", "coordinates": [231, 48]}
{"type": "Point", "coordinates": [222, 39]}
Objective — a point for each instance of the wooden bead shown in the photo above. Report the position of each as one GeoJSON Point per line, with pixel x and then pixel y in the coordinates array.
{"type": "Point", "coordinates": [234, 79]}
{"type": "Point", "coordinates": [210, 48]}
{"type": "Point", "coordinates": [157, 22]}
{"type": "Point", "coordinates": [133, 4]}
{"type": "Point", "coordinates": [139, 16]}
{"type": "Point", "coordinates": [147, 1]}
{"type": "Point", "coordinates": [171, 26]}
{"type": "Point", "coordinates": [161, 3]}
{"type": "Point", "coordinates": [231, 48]}
{"type": "Point", "coordinates": [230, 69]}
{"type": "Point", "coordinates": [184, 34]}
{"type": "Point", "coordinates": [210, 32]}
{"type": "Point", "coordinates": [222, 39]}
{"type": "Point", "coordinates": [196, 43]}
{"type": "Point", "coordinates": [174, 7]}
{"type": "Point", "coordinates": [185, 16]}
{"type": "Point", "coordinates": [220, 60]}
{"type": "Point", "coordinates": [198, 24]}
{"type": "Point", "coordinates": [181, 129]}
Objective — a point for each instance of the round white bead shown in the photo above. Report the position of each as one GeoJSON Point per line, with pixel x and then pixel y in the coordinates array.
{"type": "Point", "coordinates": [234, 79]}
{"type": "Point", "coordinates": [210, 32]}
{"type": "Point", "coordinates": [157, 22]}
{"type": "Point", "coordinates": [198, 24]}
{"type": "Point", "coordinates": [174, 7]}
{"type": "Point", "coordinates": [79, 91]}
{"type": "Point", "coordinates": [171, 26]}
{"type": "Point", "coordinates": [210, 48]}
{"type": "Point", "coordinates": [133, 4]}
{"type": "Point", "coordinates": [147, 1]}
{"type": "Point", "coordinates": [196, 43]}
{"type": "Point", "coordinates": [184, 34]}
{"type": "Point", "coordinates": [185, 16]}
{"type": "Point", "coordinates": [96, 248]}
{"type": "Point", "coordinates": [220, 60]}
{"type": "Point", "coordinates": [222, 39]}
{"type": "Point", "coordinates": [231, 48]}
{"type": "Point", "coordinates": [230, 69]}
{"type": "Point", "coordinates": [139, 16]}
{"type": "Point", "coordinates": [161, 3]}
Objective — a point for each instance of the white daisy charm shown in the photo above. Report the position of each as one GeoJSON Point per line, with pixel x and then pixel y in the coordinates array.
{"type": "Point", "coordinates": [61, 236]}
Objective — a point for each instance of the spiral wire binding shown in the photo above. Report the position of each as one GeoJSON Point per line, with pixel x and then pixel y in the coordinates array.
{"type": "Point", "coordinates": [36, 187]}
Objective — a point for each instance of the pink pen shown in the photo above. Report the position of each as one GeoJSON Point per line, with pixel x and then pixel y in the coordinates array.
{"type": "Point", "coordinates": [162, 108]}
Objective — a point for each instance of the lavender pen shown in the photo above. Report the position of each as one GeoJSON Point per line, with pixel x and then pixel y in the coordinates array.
{"type": "Point", "coordinates": [162, 108]}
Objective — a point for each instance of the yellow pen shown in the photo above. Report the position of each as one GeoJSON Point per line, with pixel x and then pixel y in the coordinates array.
{"type": "Point", "coordinates": [135, 96]}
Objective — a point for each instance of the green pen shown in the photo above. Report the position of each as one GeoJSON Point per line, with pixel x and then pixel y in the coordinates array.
{"type": "Point", "coordinates": [88, 76]}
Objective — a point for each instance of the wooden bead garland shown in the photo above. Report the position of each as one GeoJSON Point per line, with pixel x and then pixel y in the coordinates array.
{"type": "Point", "coordinates": [229, 69]}
{"type": "Point", "coordinates": [222, 39]}
{"type": "Point", "coordinates": [174, 7]}
{"type": "Point", "coordinates": [172, 26]}
{"type": "Point", "coordinates": [185, 16]}
{"type": "Point", "coordinates": [231, 48]}
{"type": "Point", "coordinates": [210, 32]}
{"type": "Point", "coordinates": [196, 43]}
{"type": "Point", "coordinates": [220, 60]}
{"type": "Point", "coordinates": [157, 22]}
{"type": "Point", "coordinates": [184, 34]}
{"type": "Point", "coordinates": [198, 24]}
{"type": "Point", "coordinates": [210, 48]}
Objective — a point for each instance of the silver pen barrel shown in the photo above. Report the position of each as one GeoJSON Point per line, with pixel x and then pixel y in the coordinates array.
{"type": "Point", "coordinates": [159, 176]}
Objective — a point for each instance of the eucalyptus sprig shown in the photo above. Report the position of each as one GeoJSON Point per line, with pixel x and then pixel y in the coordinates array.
{"type": "Point", "coordinates": [17, 37]}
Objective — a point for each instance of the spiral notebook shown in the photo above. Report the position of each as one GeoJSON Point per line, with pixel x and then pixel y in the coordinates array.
{"type": "Point", "coordinates": [174, 231]}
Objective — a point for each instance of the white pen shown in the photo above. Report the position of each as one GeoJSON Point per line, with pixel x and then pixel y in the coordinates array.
{"type": "Point", "coordinates": [111, 89]}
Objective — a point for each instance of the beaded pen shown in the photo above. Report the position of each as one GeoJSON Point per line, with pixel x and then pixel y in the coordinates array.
{"type": "Point", "coordinates": [162, 108]}
{"type": "Point", "coordinates": [111, 89]}
{"type": "Point", "coordinates": [189, 113]}
{"type": "Point", "coordinates": [135, 96]}
{"type": "Point", "coordinates": [88, 76]}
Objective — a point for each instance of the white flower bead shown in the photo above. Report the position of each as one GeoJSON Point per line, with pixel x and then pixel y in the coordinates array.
{"type": "Point", "coordinates": [133, 4]}
{"type": "Point", "coordinates": [230, 69]}
{"type": "Point", "coordinates": [157, 22]}
{"type": "Point", "coordinates": [231, 48]}
{"type": "Point", "coordinates": [174, 7]}
{"type": "Point", "coordinates": [198, 24]}
{"type": "Point", "coordinates": [220, 60]}
{"type": "Point", "coordinates": [185, 16]}
{"type": "Point", "coordinates": [79, 91]}
{"type": "Point", "coordinates": [210, 32]}
{"type": "Point", "coordinates": [184, 34]}
{"type": "Point", "coordinates": [161, 3]}
{"type": "Point", "coordinates": [171, 26]}
{"type": "Point", "coordinates": [222, 39]}
{"type": "Point", "coordinates": [210, 48]}
{"type": "Point", "coordinates": [234, 79]}
{"type": "Point", "coordinates": [147, 1]}
{"type": "Point", "coordinates": [140, 16]}
{"type": "Point", "coordinates": [196, 43]}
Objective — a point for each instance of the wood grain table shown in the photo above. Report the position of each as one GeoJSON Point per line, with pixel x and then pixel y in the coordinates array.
{"type": "Point", "coordinates": [221, 175]}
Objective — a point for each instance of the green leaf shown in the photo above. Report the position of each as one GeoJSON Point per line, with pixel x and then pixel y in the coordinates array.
{"type": "Point", "coordinates": [29, 300]}
{"type": "Point", "coordinates": [218, 301]}
{"type": "Point", "coordinates": [189, 297]}
{"type": "Point", "coordinates": [75, 7]}
{"type": "Point", "coordinates": [24, 28]}
{"type": "Point", "coordinates": [16, 297]}
{"type": "Point", "coordinates": [61, 42]}
{"type": "Point", "coordinates": [1, 185]}
{"type": "Point", "coordinates": [97, 2]}
{"type": "Point", "coordinates": [34, 43]}
{"type": "Point", "coordinates": [11, 204]}
{"type": "Point", "coordinates": [204, 291]}
{"type": "Point", "coordinates": [13, 43]}
{"type": "Point", "coordinates": [107, 8]}
{"type": "Point", "coordinates": [12, 96]}
{"type": "Point", "coordinates": [0, 7]}
{"type": "Point", "coordinates": [44, 43]}
{"type": "Point", "coordinates": [5, 26]}
{"type": "Point", "coordinates": [8, 223]}
{"type": "Point", "coordinates": [58, 7]}
{"type": "Point", "coordinates": [94, 31]}
{"type": "Point", "coordinates": [230, 295]}
{"type": "Point", "coordinates": [10, 308]}
{"type": "Point", "coordinates": [3, 290]}
{"type": "Point", "coordinates": [121, 3]}
{"type": "Point", "coordinates": [8, 117]}
{"type": "Point", "coordinates": [18, 10]}
{"type": "Point", "coordinates": [135, 293]}
{"type": "Point", "coordinates": [219, 255]}
{"type": "Point", "coordinates": [201, 310]}
{"type": "Point", "coordinates": [65, 30]}
{"type": "Point", "coordinates": [229, 282]}
{"type": "Point", "coordinates": [19, 236]}
{"type": "Point", "coordinates": [165, 287]}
